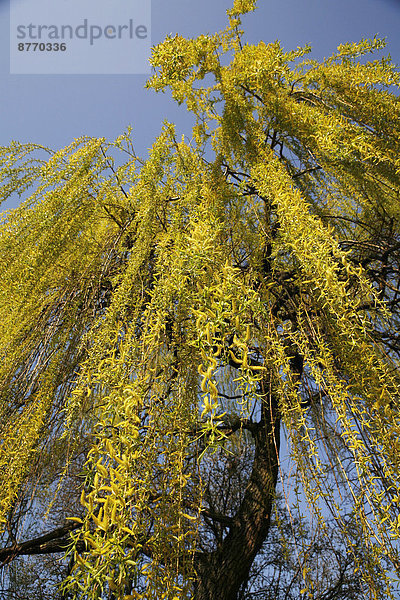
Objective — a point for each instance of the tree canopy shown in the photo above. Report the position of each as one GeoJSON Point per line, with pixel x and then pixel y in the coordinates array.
{"type": "Point", "coordinates": [190, 341]}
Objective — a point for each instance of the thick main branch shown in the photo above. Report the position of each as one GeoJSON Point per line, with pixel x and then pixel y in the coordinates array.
{"type": "Point", "coordinates": [221, 573]}
{"type": "Point", "coordinates": [52, 542]}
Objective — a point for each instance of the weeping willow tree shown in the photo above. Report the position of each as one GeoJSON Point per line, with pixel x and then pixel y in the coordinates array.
{"type": "Point", "coordinates": [186, 337]}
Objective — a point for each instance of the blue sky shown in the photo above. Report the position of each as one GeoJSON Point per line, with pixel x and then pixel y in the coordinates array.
{"type": "Point", "coordinates": [54, 109]}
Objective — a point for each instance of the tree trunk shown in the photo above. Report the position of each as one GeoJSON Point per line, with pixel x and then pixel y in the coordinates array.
{"type": "Point", "coordinates": [221, 574]}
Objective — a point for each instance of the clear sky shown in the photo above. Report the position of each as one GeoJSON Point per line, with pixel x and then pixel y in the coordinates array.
{"type": "Point", "coordinates": [54, 109]}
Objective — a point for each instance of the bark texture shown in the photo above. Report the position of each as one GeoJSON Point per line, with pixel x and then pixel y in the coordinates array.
{"type": "Point", "coordinates": [222, 573]}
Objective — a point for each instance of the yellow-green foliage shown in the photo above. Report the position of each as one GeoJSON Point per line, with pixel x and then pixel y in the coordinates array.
{"type": "Point", "coordinates": [128, 290]}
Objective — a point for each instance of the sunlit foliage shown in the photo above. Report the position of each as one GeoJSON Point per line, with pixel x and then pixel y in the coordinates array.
{"type": "Point", "coordinates": [222, 293]}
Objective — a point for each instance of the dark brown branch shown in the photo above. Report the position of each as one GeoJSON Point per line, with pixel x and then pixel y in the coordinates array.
{"type": "Point", "coordinates": [305, 171]}
{"type": "Point", "coordinates": [228, 425]}
{"type": "Point", "coordinates": [110, 166]}
{"type": "Point", "coordinates": [218, 517]}
{"type": "Point", "coordinates": [113, 217]}
{"type": "Point", "coordinates": [52, 542]}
